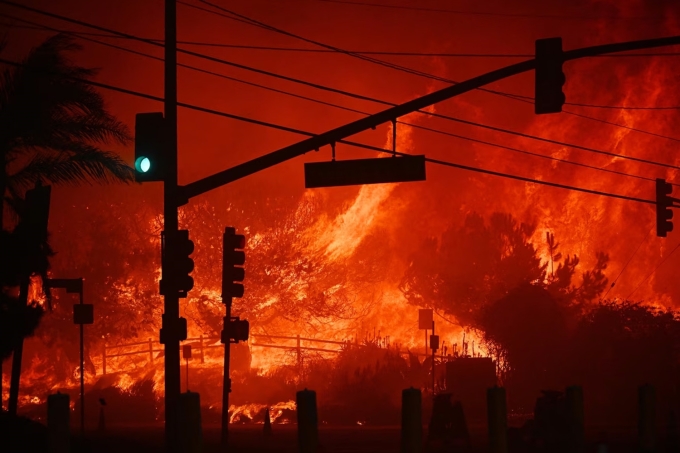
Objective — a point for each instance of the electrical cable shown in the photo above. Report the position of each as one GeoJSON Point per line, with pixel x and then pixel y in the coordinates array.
{"type": "Point", "coordinates": [652, 273]}
{"type": "Point", "coordinates": [364, 52]}
{"type": "Point", "coordinates": [291, 79]}
{"type": "Point", "coordinates": [242, 18]}
{"type": "Point", "coordinates": [351, 143]}
{"type": "Point", "coordinates": [628, 262]}
{"type": "Point", "coordinates": [77, 34]}
{"type": "Point", "coordinates": [481, 13]}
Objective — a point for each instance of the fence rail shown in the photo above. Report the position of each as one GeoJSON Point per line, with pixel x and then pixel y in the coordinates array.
{"type": "Point", "coordinates": [202, 346]}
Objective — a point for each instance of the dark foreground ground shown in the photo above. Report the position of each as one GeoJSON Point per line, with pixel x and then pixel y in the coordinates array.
{"type": "Point", "coordinates": [249, 438]}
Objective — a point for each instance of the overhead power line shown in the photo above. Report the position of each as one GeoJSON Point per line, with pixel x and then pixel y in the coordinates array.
{"type": "Point", "coordinates": [484, 13]}
{"type": "Point", "coordinates": [241, 18]}
{"type": "Point", "coordinates": [652, 273]}
{"type": "Point", "coordinates": [628, 262]}
{"type": "Point", "coordinates": [519, 97]}
{"type": "Point", "coordinates": [348, 142]}
{"type": "Point", "coordinates": [290, 79]}
{"type": "Point", "coordinates": [363, 52]}
{"type": "Point", "coordinates": [345, 93]}
{"type": "Point", "coordinates": [338, 106]}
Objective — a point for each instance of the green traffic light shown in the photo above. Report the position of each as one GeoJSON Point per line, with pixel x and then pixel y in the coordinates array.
{"type": "Point", "coordinates": [143, 164]}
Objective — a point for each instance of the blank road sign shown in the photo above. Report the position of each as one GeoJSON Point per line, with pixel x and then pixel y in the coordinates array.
{"type": "Point", "coordinates": [425, 318]}
{"type": "Point", "coordinates": [364, 171]}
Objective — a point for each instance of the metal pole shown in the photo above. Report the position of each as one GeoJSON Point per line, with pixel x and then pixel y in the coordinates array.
{"type": "Point", "coordinates": [226, 383]}
{"type": "Point", "coordinates": [433, 352]}
{"type": "Point", "coordinates": [170, 227]}
{"type": "Point", "coordinates": [82, 375]}
{"type": "Point", "coordinates": [15, 378]}
{"type": "Point", "coordinates": [187, 364]}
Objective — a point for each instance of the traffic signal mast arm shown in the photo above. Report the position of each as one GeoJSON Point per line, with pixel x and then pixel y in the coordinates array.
{"type": "Point", "coordinates": [314, 143]}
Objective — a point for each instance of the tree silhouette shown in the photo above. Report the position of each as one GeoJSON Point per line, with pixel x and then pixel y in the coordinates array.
{"type": "Point", "coordinates": [53, 123]}
{"type": "Point", "coordinates": [473, 264]}
{"type": "Point", "coordinates": [52, 126]}
{"type": "Point", "coordinates": [481, 261]}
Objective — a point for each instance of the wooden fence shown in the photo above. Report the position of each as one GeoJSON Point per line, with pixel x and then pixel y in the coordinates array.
{"type": "Point", "coordinates": [150, 347]}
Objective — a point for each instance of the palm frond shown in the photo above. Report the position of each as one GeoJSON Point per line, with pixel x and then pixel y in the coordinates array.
{"type": "Point", "coordinates": [47, 100]}
{"type": "Point", "coordinates": [86, 165]}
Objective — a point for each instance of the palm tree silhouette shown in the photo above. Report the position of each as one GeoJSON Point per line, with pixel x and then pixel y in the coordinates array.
{"type": "Point", "coordinates": [53, 124]}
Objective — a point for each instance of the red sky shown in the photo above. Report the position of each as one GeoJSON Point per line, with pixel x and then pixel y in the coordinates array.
{"type": "Point", "coordinates": [208, 143]}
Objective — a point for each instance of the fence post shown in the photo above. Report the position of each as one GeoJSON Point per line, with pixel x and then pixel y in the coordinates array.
{"type": "Point", "coordinates": [646, 418]}
{"type": "Point", "coordinates": [150, 351]}
{"type": "Point", "coordinates": [497, 420]}
{"type": "Point", "coordinates": [104, 359]}
{"type": "Point", "coordinates": [411, 421]}
{"type": "Point", "coordinates": [201, 344]}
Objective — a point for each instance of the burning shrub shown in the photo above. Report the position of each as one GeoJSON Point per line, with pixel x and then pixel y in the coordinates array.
{"type": "Point", "coordinates": [529, 325]}
{"type": "Point", "coordinates": [620, 346]}
{"type": "Point", "coordinates": [364, 384]}
{"type": "Point", "coordinates": [613, 349]}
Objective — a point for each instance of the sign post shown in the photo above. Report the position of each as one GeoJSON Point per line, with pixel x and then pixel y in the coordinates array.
{"type": "Point", "coordinates": [82, 314]}
{"type": "Point", "coordinates": [186, 354]}
{"type": "Point", "coordinates": [425, 320]}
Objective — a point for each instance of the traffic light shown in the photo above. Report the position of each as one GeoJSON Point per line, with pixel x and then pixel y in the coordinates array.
{"type": "Point", "coordinates": [173, 329]}
{"type": "Point", "coordinates": [38, 211]}
{"type": "Point", "coordinates": [236, 330]}
{"type": "Point", "coordinates": [664, 203]}
{"type": "Point", "coordinates": [149, 147]}
{"type": "Point", "coordinates": [232, 259]}
{"type": "Point", "coordinates": [183, 264]}
{"type": "Point", "coordinates": [549, 79]}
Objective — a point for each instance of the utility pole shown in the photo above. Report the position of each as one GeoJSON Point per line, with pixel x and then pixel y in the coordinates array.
{"type": "Point", "coordinates": [170, 330]}
{"type": "Point", "coordinates": [33, 226]}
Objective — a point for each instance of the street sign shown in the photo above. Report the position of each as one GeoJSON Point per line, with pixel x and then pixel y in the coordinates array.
{"type": "Point", "coordinates": [71, 285]}
{"type": "Point", "coordinates": [83, 314]}
{"type": "Point", "coordinates": [425, 319]}
{"type": "Point", "coordinates": [364, 171]}
{"type": "Point", "coordinates": [186, 351]}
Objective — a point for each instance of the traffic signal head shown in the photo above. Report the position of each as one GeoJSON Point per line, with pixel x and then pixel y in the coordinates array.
{"type": "Point", "coordinates": [38, 211]}
{"type": "Point", "coordinates": [232, 259]}
{"type": "Point", "coordinates": [236, 330]}
{"type": "Point", "coordinates": [549, 78]}
{"type": "Point", "coordinates": [183, 264]}
{"type": "Point", "coordinates": [149, 147]}
{"type": "Point", "coordinates": [664, 202]}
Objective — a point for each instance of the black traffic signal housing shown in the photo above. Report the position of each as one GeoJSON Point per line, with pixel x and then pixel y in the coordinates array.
{"type": "Point", "coordinates": [664, 203]}
{"type": "Point", "coordinates": [150, 147]}
{"type": "Point", "coordinates": [236, 330]}
{"type": "Point", "coordinates": [183, 264]}
{"type": "Point", "coordinates": [233, 257]}
{"type": "Point", "coordinates": [549, 78]}
{"type": "Point", "coordinates": [177, 264]}
{"type": "Point", "coordinates": [173, 329]}
{"type": "Point", "coordinates": [37, 212]}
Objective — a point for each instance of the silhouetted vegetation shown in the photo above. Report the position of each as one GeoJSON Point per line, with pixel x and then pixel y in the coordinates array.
{"type": "Point", "coordinates": [53, 124]}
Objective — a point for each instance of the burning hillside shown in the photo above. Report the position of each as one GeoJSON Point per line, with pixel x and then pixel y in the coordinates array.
{"type": "Point", "coordinates": [330, 272]}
